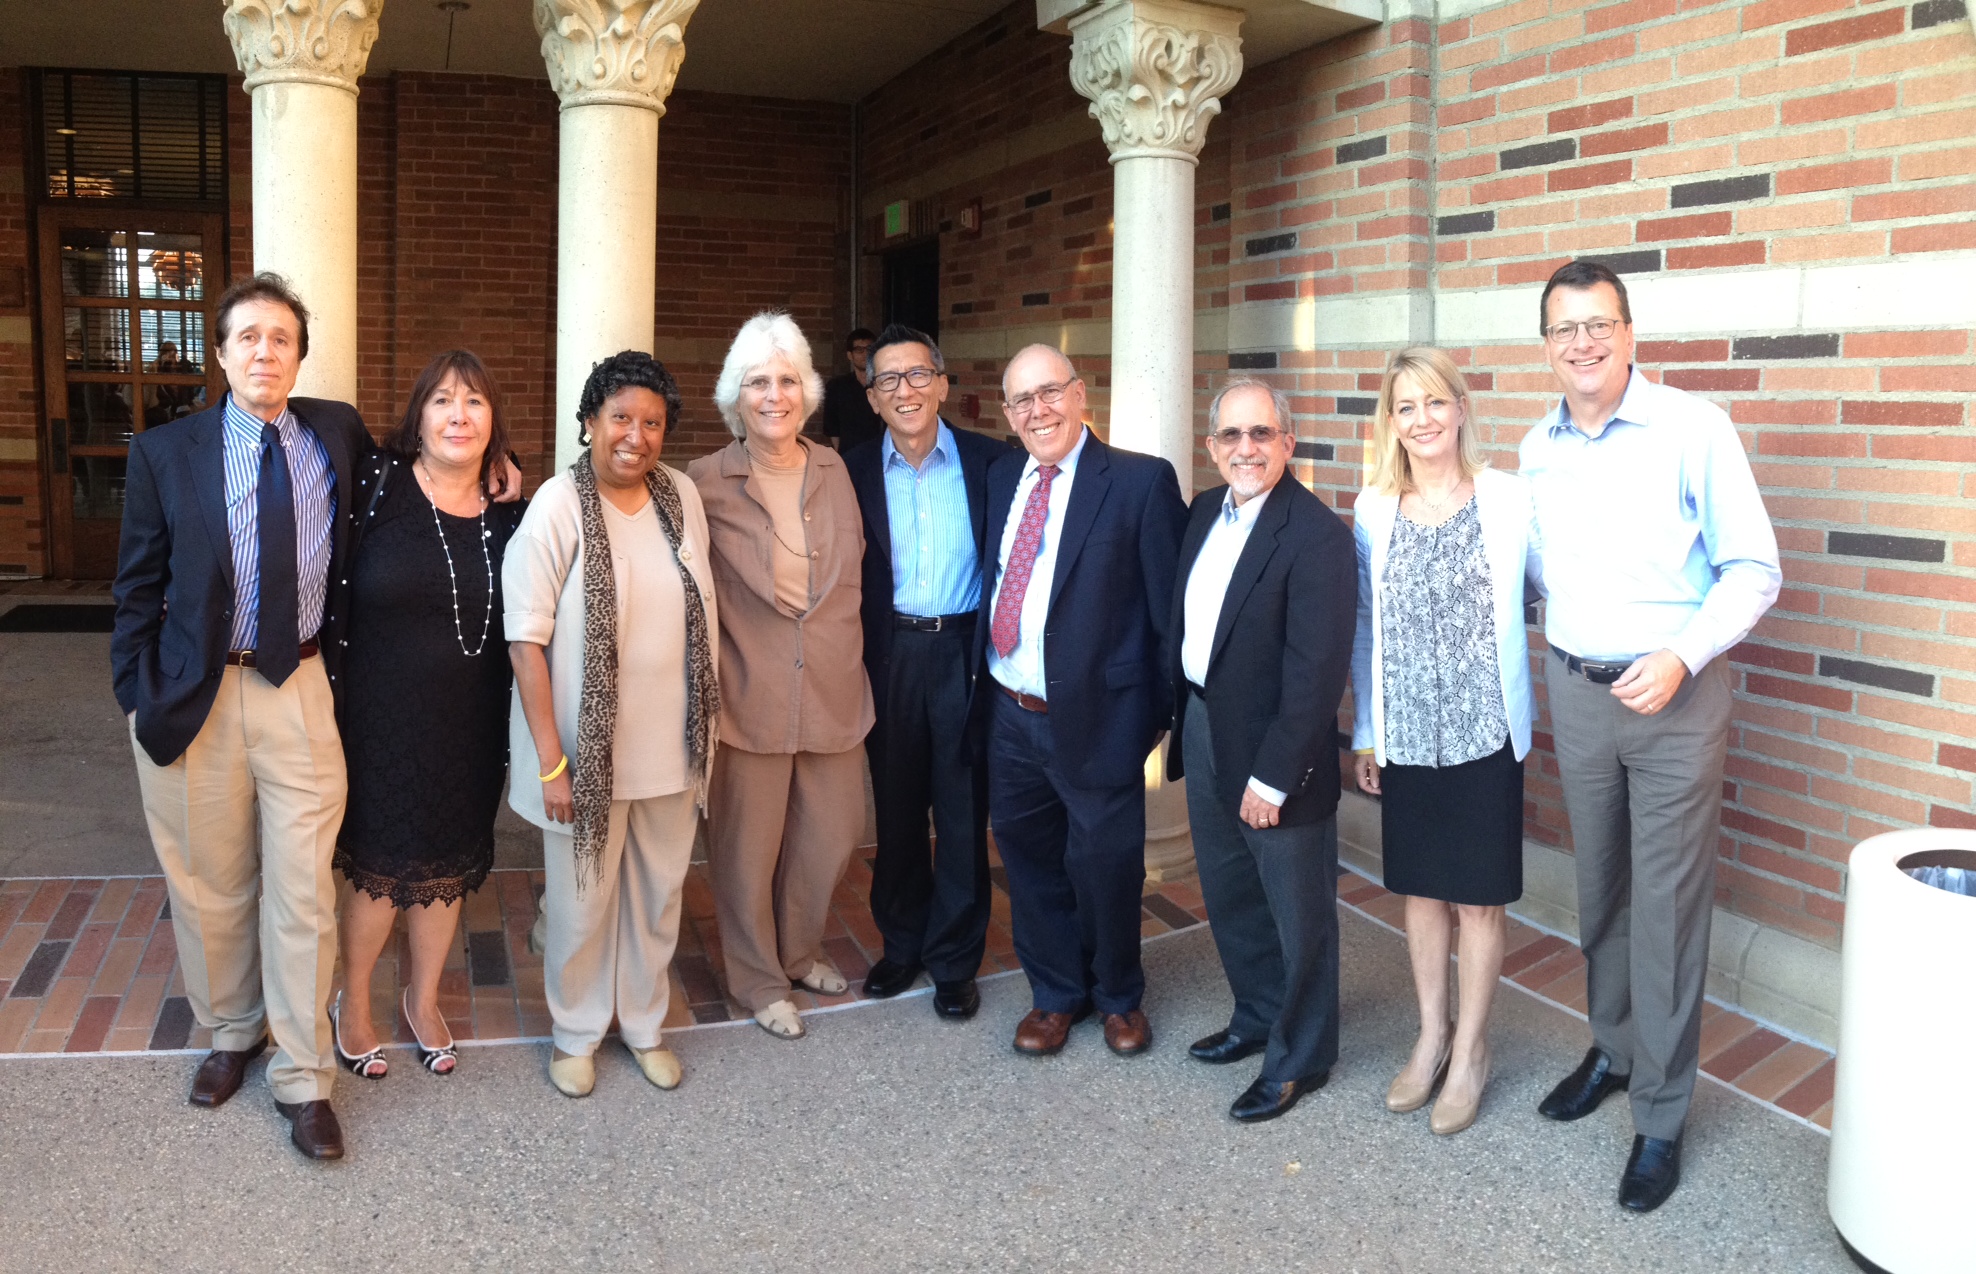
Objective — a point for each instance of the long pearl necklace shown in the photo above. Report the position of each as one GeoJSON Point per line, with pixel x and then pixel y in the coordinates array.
{"type": "Point", "coordinates": [487, 616]}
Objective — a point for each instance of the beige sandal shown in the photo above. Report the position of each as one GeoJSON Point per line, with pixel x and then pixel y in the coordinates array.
{"type": "Point", "coordinates": [781, 1020]}
{"type": "Point", "coordinates": [824, 980]}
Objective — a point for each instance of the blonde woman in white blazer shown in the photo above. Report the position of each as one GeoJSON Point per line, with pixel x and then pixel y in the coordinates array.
{"type": "Point", "coordinates": [1441, 695]}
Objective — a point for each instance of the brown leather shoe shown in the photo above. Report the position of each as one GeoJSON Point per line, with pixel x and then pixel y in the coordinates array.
{"type": "Point", "coordinates": [1128, 1033]}
{"type": "Point", "coordinates": [313, 1128]}
{"type": "Point", "coordinates": [219, 1076]}
{"type": "Point", "coordinates": [1040, 1034]}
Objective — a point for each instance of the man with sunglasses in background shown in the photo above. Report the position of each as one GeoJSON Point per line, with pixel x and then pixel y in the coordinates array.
{"type": "Point", "coordinates": [922, 487]}
{"type": "Point", "coordinates": [1658, 557]}
{"type": "Point", "coordinates": [1075, 606]}
{"type": "Point", "coordinates": [1261, 645]}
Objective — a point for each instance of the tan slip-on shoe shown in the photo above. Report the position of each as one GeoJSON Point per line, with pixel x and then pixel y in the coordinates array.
{"type": "Point", "coordinates": [660, 1064]}
{"type": "Point", "coordinates": [573, 1076]}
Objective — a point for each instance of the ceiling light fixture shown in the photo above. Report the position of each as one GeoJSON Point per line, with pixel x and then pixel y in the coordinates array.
{"type": "Point", "coordinates": [452, 9]}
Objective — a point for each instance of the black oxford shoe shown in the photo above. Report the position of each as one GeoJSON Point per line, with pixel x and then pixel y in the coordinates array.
{"type": "Point", "coordinates": [1268, 1098]}
{"type": "Point", "coordinates": [1652, 1172]}
{"type": "Point", "coordinates": [887, 978]}
{"type": "Point", "coordinates": [1583, 1089]}
{"type": "Point", "coordinates": [313, 1128]}
{"type": "Point", "coordinates": [1223, 1047]}
{"type": "Point", "coordinates": [957, 1000]}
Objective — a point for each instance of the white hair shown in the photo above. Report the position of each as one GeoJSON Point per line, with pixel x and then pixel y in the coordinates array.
{"type": "Point", "coordinates": [761, 339]}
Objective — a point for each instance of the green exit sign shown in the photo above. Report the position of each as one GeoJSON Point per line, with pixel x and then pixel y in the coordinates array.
{"type": "Point", "coordinates": [898, 217]}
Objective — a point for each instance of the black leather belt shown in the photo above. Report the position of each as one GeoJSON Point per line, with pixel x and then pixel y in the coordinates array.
{"type": "Point", "coordinates": [245, 658]}
{"type": "Point", "coordinates": [1597, 673]}
{"type": "Point", "coordinates": [931, 623]}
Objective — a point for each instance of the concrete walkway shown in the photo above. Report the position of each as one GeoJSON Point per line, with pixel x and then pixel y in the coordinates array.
{"type": "Point", "coordinates": [890, 1141]}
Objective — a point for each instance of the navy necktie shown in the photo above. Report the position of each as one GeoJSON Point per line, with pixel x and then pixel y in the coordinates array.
{"type": "Point", "coordinates": [277, 647]}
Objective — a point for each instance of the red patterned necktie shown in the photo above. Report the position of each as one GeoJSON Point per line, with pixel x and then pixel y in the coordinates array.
{"type": "Point", "coordinates": [1022, 560]}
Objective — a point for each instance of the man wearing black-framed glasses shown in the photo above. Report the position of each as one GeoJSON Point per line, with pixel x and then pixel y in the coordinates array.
{"type": "Point", "coordinates": [849, 419]}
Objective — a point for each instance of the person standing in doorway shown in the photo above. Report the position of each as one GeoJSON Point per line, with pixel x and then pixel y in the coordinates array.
{"type": "Point", "coordinates": [849, 418]}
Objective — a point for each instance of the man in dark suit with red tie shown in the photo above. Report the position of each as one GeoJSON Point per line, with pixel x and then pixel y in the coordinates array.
{"type": "Point", "coordinates": [1075, 606]}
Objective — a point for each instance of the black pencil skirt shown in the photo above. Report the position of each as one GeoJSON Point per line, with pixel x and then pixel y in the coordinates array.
{"type": "Point", "coordinates": [1455, 832]}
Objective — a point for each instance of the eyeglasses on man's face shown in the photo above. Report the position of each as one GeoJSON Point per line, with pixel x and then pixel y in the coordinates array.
{"type": "Point", "coordinates": [1261, 435]}
{"type": "Point", "coordinates": [1598, 329]}
{"type": "Point", "coordinates": [1049, 395]}
{"type": "Point", "coordinates": [917, 377]}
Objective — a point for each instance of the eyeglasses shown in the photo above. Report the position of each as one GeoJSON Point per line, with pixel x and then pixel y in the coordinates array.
{"type": "Point", "coordinates": [1598, 329]}
{"type": "Point", "coordinates": [1048, 395]}
{"type": "Point", "coordinates": [1261, 435]}
{"type": "Point", "coordinates": [917, 377]}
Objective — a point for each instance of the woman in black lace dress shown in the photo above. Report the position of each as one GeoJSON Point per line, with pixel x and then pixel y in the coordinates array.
{"type": "Point", "coordinates": [425, 699]}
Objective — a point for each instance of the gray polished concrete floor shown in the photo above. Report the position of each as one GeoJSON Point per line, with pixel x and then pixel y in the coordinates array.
{"type": "Point", "coordinates": [889, 1141]}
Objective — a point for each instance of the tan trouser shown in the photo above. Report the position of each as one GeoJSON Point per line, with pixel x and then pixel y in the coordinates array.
{"type": "Point", "coordinates": [780, 827]}
{"type": "Point", "coordinates": [610, 942]}
{"type": "Point", "coordinates": [256, 923]}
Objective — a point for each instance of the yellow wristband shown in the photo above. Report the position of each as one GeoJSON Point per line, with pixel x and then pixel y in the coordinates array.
{"type": "Point", "coordinates": [1362, 751]}
{"type": "Point", "coordinates": [551, 775]}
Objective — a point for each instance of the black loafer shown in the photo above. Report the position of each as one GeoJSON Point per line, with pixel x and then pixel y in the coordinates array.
{"type": "Point", "coordinates": [1223, 1047]}
{"type": "Point", "coordinates": [957, 1000]}
{"type": "Point", "coordinates": [1583, 1089]}
{"type": "Point", "coordinates": [887, 978]}
{"type": "Point", "coordinates": [1652, 1172]}
{"type": "Point", "coordinates": [1268, 1098]}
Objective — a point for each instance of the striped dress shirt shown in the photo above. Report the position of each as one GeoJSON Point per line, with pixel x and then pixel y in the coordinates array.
{"type": "Point", "coordinates": [313, 482]}
{"type": "Point", "coordinates": [934, 567]}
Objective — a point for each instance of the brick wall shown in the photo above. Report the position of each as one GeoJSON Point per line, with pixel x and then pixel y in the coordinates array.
{"type": "Point", "coordinates": [22, 539]}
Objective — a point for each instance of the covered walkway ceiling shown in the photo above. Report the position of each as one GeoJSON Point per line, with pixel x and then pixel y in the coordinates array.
{"type": "Point", "coordinates": [814, 50]}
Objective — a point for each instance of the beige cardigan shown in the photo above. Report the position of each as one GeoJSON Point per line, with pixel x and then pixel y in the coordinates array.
{"type": "Point", "coordinates": [787, 685]}
{"type": "Point", "coordinates": [542, 602]}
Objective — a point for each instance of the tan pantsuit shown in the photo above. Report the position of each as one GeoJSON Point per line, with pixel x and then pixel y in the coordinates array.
{"type": "Point", "coordinates": [783, 826]}
{"type": "Point", "coordinates": [245, 825]}
{"type": "Point", "coordinates": [610, 941]}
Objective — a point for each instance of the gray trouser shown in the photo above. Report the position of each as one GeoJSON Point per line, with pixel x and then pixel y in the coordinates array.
{"type": "Point", "coordinates": [1645, 798]}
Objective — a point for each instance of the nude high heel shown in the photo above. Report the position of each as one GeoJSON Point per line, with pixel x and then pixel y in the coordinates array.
{"type": "Point", "coordinates": [1404, 1098]}
{"type": "Point", "coordinates": [1451, 1117]}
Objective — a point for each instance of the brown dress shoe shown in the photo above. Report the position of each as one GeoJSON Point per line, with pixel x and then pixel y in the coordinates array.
{"type": "Point", "coordinates": [313, 1128]}
{"type": "Point", "coordinates": [1128, 1033]}
{"type": "Point", "coordinates": [1040, 1034]}
{"type": "Point", "coordinates": [220, 1074]}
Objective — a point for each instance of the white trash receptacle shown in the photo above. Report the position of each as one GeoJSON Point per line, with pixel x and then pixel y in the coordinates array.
{"type": "Point", "coordinates": [1902, 1183]}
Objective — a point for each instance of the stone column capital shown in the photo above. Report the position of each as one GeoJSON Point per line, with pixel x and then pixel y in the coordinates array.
{"type": "Point", "coordinates": [613, 52]}
{"type": "Point", "coordinates": [302, 41]}
{"type": "Point", "coordinates": [1154, 71]}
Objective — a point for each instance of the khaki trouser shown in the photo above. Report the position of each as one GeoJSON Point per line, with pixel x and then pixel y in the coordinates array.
{"type": "Point", "coordinates": [609, 943]}
{"type": "Point", "coordinates": [256, 922]}
{"type": "Point", "coordinates": [780, 828]}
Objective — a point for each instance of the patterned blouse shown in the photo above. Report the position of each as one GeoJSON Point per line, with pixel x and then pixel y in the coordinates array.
{"type": "Point", "coordinates": [1443, 685]}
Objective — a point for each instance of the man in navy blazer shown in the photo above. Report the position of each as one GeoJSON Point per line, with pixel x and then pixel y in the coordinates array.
{"type": "Point", "coordinates": [1263, 617]}
{"type": "Point", "coordinates": [1074, 615]}
{"type": "Point", "coordinates": [922, 488]}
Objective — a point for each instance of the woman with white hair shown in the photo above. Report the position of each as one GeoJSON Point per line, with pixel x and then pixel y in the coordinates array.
{"type": "Point", "coordinates": [787, 797]}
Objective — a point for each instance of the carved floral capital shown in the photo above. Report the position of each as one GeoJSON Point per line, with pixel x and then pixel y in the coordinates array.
{"type": "Point", "coordinates": [619, 52]}
{"type": "Point", "coordinates": [1155, 73]}
{"type": "Point", "coordinates": [302, 41]}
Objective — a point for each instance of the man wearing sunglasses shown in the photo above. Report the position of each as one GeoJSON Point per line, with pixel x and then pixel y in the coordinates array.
{"type": "Point", "coordinates": [1658, 557]}
{"type": "Point", "coordinates": [922, 487]}
{"type": "Point", "coordinates": [1075, 607]}
{"type": "Point", "coordinates": [1261, 646]}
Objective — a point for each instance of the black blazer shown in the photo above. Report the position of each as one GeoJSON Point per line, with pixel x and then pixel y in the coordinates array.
{"type": "Point", "coordinates": [174, 587]}
{"type": "Point", "coordinates": [1282, 652]}
{"type": "Point", "coordinates": [1111, 601]}
{"type": "Point", "coordinates": [866, 465]}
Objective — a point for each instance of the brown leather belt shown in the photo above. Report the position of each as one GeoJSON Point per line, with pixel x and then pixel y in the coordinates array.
{"type": "Point", "coordinates": [245, 658]}
{"type": "Point", "coordinates": [1027, 702]}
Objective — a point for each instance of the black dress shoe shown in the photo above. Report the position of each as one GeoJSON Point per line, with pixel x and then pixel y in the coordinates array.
{"type": "Point", "coordinates": [313, 1128]}
{"type": "Point", "coordinates": [1652, 1172]}
{"type": "Point", "coordinates": [1268, 1098]}
{"type": "Point", "coordinates": [1223, 1047]}
{"type": "Point", "coordinates": [219, 1076]}
{"type": "Point", "coordinates": [1583, 1089]}
{"type": "Point", "coordinates": [958, 1000]}
{"type": "Point", "coordinates": [887, 978]}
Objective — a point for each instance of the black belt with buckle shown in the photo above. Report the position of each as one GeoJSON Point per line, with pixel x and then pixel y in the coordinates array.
{"type": "Point", "coordinates": [245, 658]}
{"type": "Point", "coordinates": [1591, 670]}
{"type": "Point", "coordinates": [931, 623]}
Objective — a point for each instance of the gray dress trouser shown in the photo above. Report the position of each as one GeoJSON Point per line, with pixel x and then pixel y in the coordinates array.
{"type": "Point", "coordinates": [1645, 798]}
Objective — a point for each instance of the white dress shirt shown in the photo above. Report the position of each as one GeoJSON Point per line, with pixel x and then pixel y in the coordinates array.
{"type": "Point", "coordinates": [1023, 670]}
{"type": "Point", "coordinates": [1207, 588]}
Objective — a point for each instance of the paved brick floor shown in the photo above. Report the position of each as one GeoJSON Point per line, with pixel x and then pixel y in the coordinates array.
{"type": "Point", "coordinates": [90, 965]}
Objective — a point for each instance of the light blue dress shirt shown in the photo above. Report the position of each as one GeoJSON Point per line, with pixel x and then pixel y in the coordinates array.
{"type": "Point", "coordinates": [1023, 670]}
{"type": "Point", "coordinates": [934, 567]}
{"type": "Point", "coordinates": [1655, 536]}
{"type": "Point", "coordinates": [313, 482]}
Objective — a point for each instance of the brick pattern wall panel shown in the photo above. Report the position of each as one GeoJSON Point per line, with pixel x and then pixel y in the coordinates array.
{"type": "Point", "coordinates": [23, 544]}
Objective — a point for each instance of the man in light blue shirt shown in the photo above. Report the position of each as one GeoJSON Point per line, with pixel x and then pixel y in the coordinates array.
{"type": "Point", "coordinates": [1658, 557]}
{"type": "Point", "coordinates": [922, 491]}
